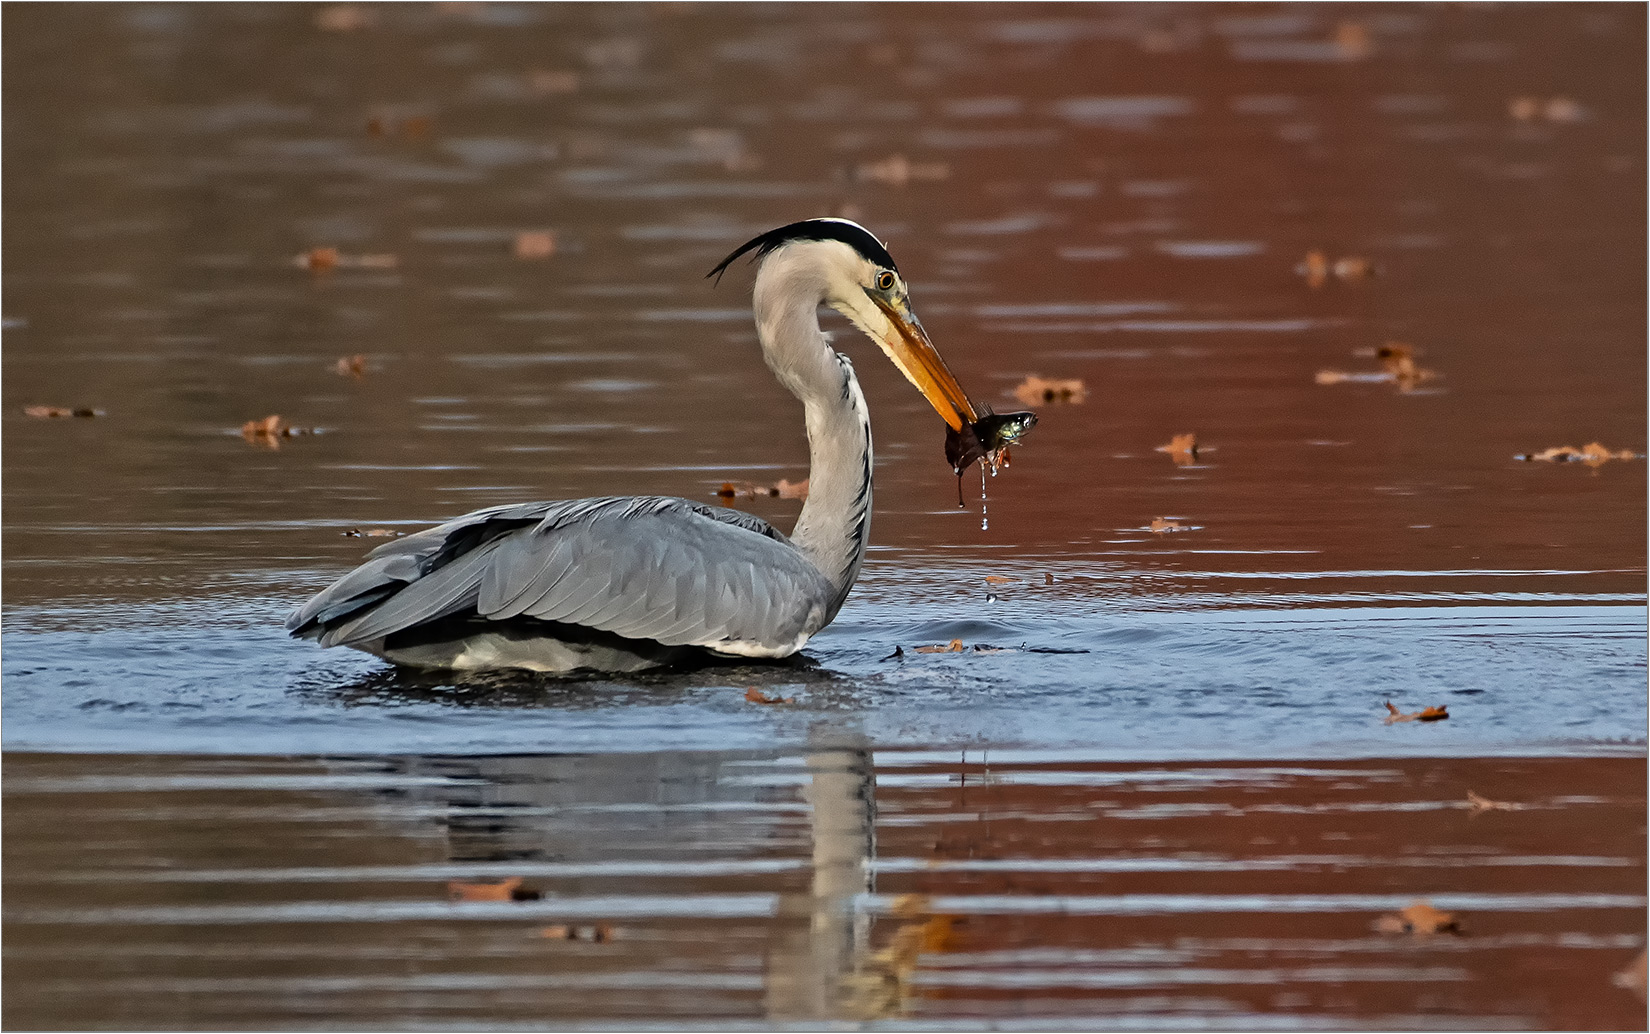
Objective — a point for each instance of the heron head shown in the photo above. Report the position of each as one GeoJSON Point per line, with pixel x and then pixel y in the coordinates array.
{"type": "Point", "coordinates": [854, 274]}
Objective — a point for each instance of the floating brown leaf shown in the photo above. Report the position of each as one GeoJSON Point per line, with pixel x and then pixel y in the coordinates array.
{"type": "Point", "coordinates": [1554, 109]}
{"type": "Point", "coordinates": [783, 489]}
{"type": "Point", "coordinates": [552, 81]}
{"type": "Point", "coordinates": [345, 17]}
{"type": "Point", "coordinates": [324, 260]}
{"type": "Point", "coordinates": [1420, 919]}
{"type": "Point", "coordinates": [898, 170]}
{"type": "Point", "coordinates": [1562, 109]}
{"type": "Point", "coordinates": [269, 427]}
{"type": "Point", "coordinates": [756, 696]}
{"type": "Point", "coordinates": [880, 986]}
{"type": "Point", "coordinates": [270, 430]}
{"type": "Point", "coordinates": [1352, 41]}
{"type": "Point", "coordinates": [535, 244]}
{"type": "Point", "coordinates": [413, 127]}
{"type": "Point", "coordinates": [1426, 714]}
{"type": "Point", "coordinates": [58, 412]}
{"type": "Point", "coordinates": [1593, 454]}
{"type": "Point", "coordinates": [1034, 391]}
{"type": "Point", "coordinates": [955, 646]}
{"type": "Point", "coordinates": [1398, 367]}
{"type": "Point", "coordinates": [1315, 268]}
{"type": "Point", "coordinates": [1000, 578]}
{"type": "Point", "coordinates": [1477, 803]}
{"type": "Point", "coordinates": [318, 260]}
{"type": "Point", "coordinates": [499, 890]}
{"type": "Point", "coordinates": [1164, 525]}
{"type": "Point", "coordinates": [596, 933]}
{"type": "Point", "coordinates": [1353, 267]}
{"type": "Point", "coordinates": [352, 366]}
{"type": "Point", "coordinates": [1632, 976]}
{"type": "Point", "coordinates": [1182, 448]}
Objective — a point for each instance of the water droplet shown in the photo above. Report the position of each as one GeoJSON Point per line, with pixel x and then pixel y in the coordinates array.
{"type": "Point", "coordinates": [985, 523]}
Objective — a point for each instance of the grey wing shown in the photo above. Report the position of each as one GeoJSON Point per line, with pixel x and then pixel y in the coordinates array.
{"type": "Point", "coordinates": [668, 570]}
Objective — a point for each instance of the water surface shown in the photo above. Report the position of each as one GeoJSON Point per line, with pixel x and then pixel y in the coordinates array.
{"type": "Point", "coordinates": [1122, 195]}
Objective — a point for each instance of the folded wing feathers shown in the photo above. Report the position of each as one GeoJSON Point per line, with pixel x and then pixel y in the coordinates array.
{"type": "Point", "coordinates": [651, 567]}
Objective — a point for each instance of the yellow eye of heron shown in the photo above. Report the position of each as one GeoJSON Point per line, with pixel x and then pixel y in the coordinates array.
{"type": "Point", "coordinates": [885, 281]}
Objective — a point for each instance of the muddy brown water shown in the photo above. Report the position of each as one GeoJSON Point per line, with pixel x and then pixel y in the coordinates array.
{"type": "Point", "coordinates": [1191, 818]}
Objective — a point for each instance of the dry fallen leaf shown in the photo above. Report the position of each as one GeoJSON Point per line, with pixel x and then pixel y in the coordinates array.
{"type": "Point", "coordinates": [561, 932]}
{"type": "Point", "coordinates": [1418, 918]}
{"type": "Point", "coordinates": [1397, 358]}
{"type": "Point", "coordinates": [1352, 41]}
{"type": "Point", "coordinates": [269, 426]}
{"type": "Point", "coordinates": [535, 244]}
{"type": "Point", "coordinates": [1182, 448]}
{"type": "Point", "coordinates": [783, 489]}
{"type": "Point", "coordinates": [1632, 976]}
{"type": "Point", "coordinates": [1477, 803]}
{"type": "Point", "coordinates": [1562, 109]}
{"type": "Point", "coordinates": [1426, 714]}
{"type": "Point", "coordinates": [955, 646]}
{"type": "Point", "coordinates": [1353, 267]}
{"type": "Point", "coordinates": [56, 412]}
{"type": "Point", "coordinates": [500, 890]}
{"type": "Point", "coordinates": [1594, 454]}
{"type": "Point", "coordinates": [353, 366]}
{"type": "Point", "coordinates": [270, 430]}
{"type": "Point", "coordinates": [1036, 390]}
{"type": "Point", "coordinates": [318, 260]}
{"type": "Point", "coordinates": [1315, 268]}
{"type": "Point", "coordinates": [756, 696]}
{"type": "Point", "coordinates": [345, 18]}
{"type": "Point", "coordinates": [324, 260]}
{"type": "Point", "coordinates": [1163, 525]}
{"type": "Point", "coordinates": [1000, 578]}
{"type": "Point", "coordinates": [413, 127]}
{"type": "Point", "coordinates": [898, 170]}
{"type": "Point", "coordinates": [879, 987]}
{"type": "Point", "coordinates": [1398, 367]}
{"type": "Point", "coordinates": [549, 81]}
{"type": "Point", "coordinates": [1554, 109]}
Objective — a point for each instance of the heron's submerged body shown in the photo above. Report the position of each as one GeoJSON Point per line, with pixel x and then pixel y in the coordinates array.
{"type": "Point", "coordinates": [628, 583]}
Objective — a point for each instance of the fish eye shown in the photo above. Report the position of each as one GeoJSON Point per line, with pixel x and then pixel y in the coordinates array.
{"type": "Point", "coordinates": [885, 281]}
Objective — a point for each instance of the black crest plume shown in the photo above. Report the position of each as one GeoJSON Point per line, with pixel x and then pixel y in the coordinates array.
{"type": "Point", "coordinates": [849, 233]}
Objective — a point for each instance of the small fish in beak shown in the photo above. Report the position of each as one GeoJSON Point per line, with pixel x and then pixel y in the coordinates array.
{"type": "Point", "coordinates": [986, 439]}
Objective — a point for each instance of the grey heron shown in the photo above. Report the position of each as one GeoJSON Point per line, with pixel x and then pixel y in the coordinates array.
{"type": "Point", "coordinates": [628, 583]}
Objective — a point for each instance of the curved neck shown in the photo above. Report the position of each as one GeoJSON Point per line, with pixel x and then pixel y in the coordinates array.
{"type": "Point", "coordinates": [835, 522]}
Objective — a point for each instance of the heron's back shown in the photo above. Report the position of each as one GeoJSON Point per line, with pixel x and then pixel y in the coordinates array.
{"type": "Point", "coordinates": [638, 574]}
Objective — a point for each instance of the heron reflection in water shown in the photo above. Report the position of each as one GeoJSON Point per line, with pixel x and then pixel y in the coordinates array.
{"type": "Point", "coordinates": [633, 582]}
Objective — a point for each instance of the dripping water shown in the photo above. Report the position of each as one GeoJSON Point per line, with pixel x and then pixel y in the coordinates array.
{"type": "Point", "coordinates": [985, 522]}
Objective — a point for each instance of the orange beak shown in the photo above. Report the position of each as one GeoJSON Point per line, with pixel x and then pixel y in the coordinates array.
{"type": "Point", "coordinates": [914, 354]}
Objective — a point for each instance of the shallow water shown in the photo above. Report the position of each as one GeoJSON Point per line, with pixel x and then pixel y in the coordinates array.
{"type": "Point", "coordinates": [905, 888]}
{"type": "Point", "coordinates": [1115, 194]}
